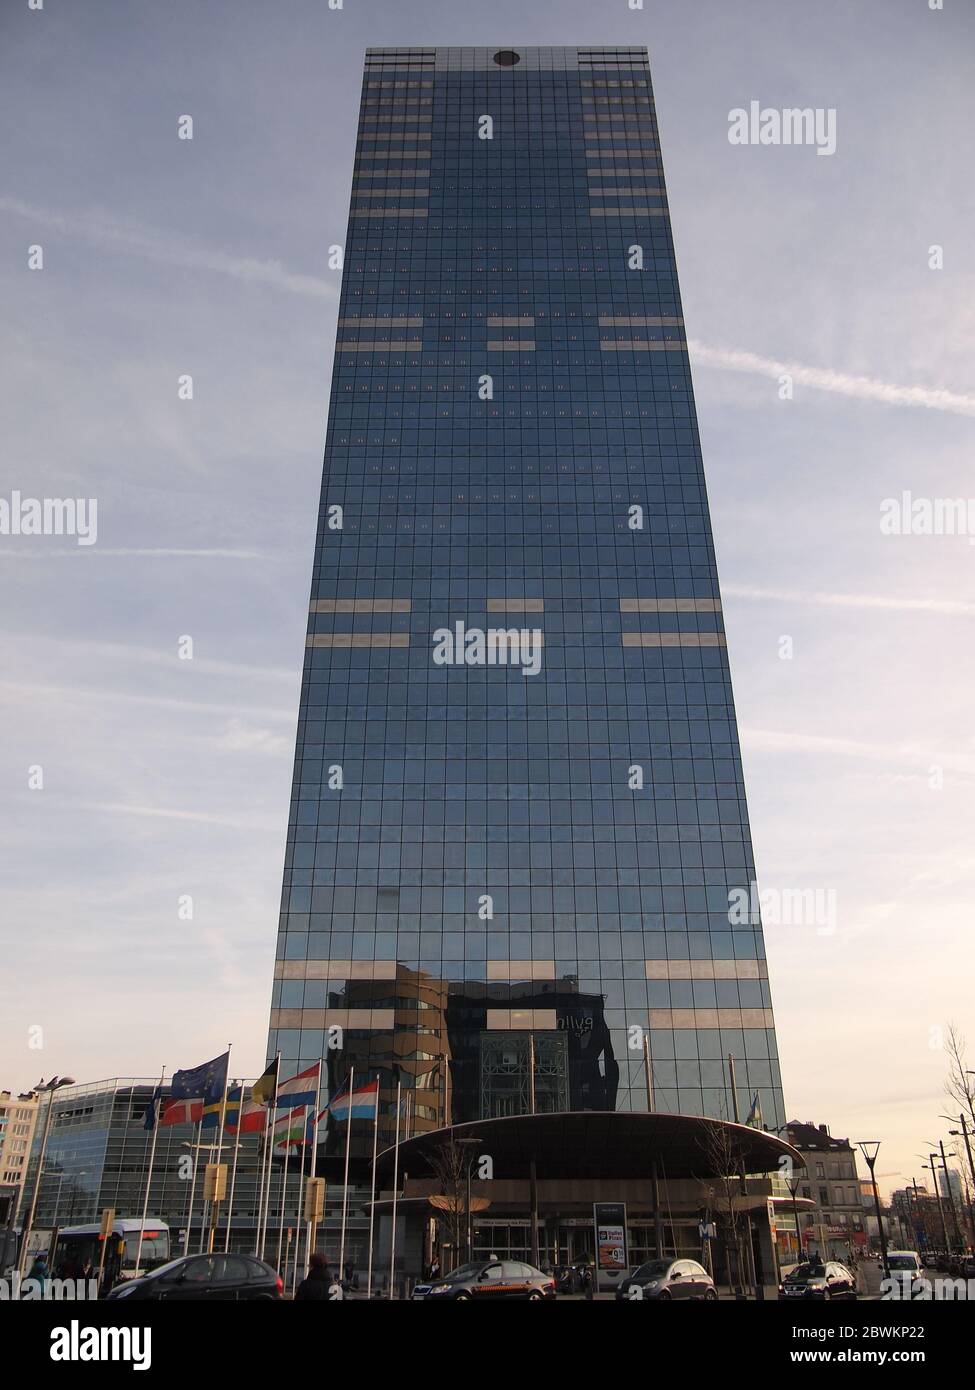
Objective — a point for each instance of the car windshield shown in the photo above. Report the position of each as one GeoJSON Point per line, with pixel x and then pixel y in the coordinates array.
{"type": "Point", "coordinates": [463, 1272]}
{"type": "Point", "coordinates": [653, 1269]}
{"type": "Point", "coordinates": [803, 1273]}
{"type": "Point", "coordinates": [168, 1267]}
{"type": "Point", "coordinates": [902, 1262]}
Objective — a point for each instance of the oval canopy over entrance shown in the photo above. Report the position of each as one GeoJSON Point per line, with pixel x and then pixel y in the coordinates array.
{"type": "Point", "coordinates": [601, 1144]}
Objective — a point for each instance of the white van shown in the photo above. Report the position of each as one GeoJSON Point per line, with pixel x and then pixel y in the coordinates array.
{"type": "Point", "coordinates": [905, 1268]}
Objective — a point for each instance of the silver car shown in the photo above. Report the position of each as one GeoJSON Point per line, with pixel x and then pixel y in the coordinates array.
{"type": "Point", "coordinates": [664, 1280]}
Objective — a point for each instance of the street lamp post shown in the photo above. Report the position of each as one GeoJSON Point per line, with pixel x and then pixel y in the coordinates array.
{"type": "Point", "coordinates": [951, 1196]}
{"type": "Point", "coordinates": [921, 1225]}
{"type": "Point", "coordinates": [57, 1198]}
{"type": "Point", "coordinates": [55, 1084]}
{"type": "Point", "coordinates": [963, 1132]}
{"type": "Point", "coordinates": [794, 1191]}
{"type": "Point", "coordinates": [932, 1165]}
{"type": "Point", "coordinates": [870, 1148]}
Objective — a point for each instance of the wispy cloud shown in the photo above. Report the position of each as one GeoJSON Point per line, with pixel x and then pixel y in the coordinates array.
{"type": "Point", "coordinates": [126, 809]}
{"type": "Point", "coordinates": [101, 697]}
{"type": "Point", "coordinates": [862, 388]}
{"type": "Point", "coordinates": [239, 737]}
{"type": "Point", "coordinates": [42, 552]}
{"type": "Point", "coordinates": [169, 249]}
{"type": "Point", "coordinates": [917, 754]}
{"type": "Point", "coordinates": [944, 607]}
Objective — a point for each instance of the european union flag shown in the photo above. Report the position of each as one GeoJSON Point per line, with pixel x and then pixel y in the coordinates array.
{"type": "Point", "coordinates": [207, 1081]}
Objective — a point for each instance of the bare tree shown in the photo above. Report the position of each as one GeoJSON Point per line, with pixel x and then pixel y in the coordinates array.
{"type": "Point", "coordinates": [453, 1164]}
{"type": "Point", "coordinates": [723, 1159]}
{"type": "Point", "coordinates": [960, 1090]}
{"type": "Point", "coordinates": [960, 1082]}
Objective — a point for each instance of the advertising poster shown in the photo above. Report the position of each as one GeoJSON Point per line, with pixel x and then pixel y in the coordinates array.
{"type": "Point", "coordinates": [612, 1262]}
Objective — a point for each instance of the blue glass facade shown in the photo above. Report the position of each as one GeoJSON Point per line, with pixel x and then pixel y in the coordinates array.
{"type": "Point", "coordinates": [518, 807]}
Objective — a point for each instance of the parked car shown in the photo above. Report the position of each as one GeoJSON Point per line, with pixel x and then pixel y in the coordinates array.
{"type": "Point", "coordinates": [223, 1277]}
{"type": "Point", "coordinates": [489, 1281]}
{"type": "Point", "coordinates": [814, 1280]}
{"type": "Point", "coordinates": [664, 1280]}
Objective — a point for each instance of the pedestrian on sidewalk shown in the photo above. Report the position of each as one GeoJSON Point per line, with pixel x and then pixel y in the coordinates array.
{"type": "Point", "coordinates": [316, 1286]}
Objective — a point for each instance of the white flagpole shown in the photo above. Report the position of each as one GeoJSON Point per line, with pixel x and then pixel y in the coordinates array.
{"type": "Point", "coordinates": [284, 1186]}
{"type": "Point", "coordinates": [392, 1244]}
{"type": "Point", "coordinates": [215, 1208]}
{"type": "Point", "coordinates": [372, 1194]}
{"type": "Point", "coordinates": [345, 1188]}
{"type": "Point", "coordinates": [189, 1210]}
{"type": "Point", "coordinates": [152, 1159]}
{"type": "Point", "coordinates": [262, 1152]}
{"type": "Point", "coordinates": [269, 1168]}
{"type": "Point", "coordinates": [269, 1146]}
{"type": "Point", "coordinates": [233, 1169]}
{"type": "Point", "coordinates": [301, 1188]}
{"type": "Point", "coordinates": [310, 1225]}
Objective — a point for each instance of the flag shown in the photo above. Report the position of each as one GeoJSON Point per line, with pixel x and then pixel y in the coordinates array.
{"type": "Point", "coordinates": [254, 1113]}
{"type": "Point", "coordinates": [152, 1109]}
{"type": "Point", "coordinates": [181, 1112]}
{"type": "Point", "coordinates": [206, 1082]}
{"type": "Point", "coordinates": [265, 1087]}
{"type": "Point", "coordinates": [299, 1090]}
{"type": "Point", "coordinates": [755, 1113]}
{"type": "Point", "coordinates": [290, 1130]}
{"type": "Point", "coordinates": [212, 1110]}
{"type": "Point", "coordinates": [361, 1104]}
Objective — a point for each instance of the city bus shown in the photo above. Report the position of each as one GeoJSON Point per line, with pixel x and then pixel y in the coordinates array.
{"type": "Point", "coordinates": [76, 1245]}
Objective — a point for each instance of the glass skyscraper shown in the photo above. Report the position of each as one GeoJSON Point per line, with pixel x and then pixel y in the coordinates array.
{"type": "Point", "coordinates": [518, 809]}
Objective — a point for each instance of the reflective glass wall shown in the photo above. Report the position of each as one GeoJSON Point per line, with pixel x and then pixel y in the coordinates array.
{"type": "Point", "coordinates": [518, 808]}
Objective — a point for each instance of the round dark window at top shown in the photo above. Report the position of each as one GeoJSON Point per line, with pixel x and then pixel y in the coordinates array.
{"type": "Point", "coordinates": [506, 58]}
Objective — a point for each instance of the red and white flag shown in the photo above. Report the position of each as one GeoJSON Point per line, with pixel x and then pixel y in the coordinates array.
{"type": "Point", "coordinates": [182, 1112]}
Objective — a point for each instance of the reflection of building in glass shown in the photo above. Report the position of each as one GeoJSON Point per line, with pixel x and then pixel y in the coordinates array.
{"type": "Point", "coordinates": [522, 1073]}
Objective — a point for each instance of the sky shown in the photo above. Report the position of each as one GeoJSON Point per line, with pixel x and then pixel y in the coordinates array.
{"type": "Point", "coordinates": [166, 778]}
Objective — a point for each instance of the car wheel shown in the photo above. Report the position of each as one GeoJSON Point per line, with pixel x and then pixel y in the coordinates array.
{"type": "Point", "coordinates": [664, 1297]}
{"type": "Point", "coordinates": [534, 1296]}
{"type": "Point", "coordinates": [463, 1298]}
{"type": "Point", "coordinates": [711, 1296]}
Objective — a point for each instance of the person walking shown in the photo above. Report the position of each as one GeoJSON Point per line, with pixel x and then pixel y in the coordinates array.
{"type": "Point", "coordinates": [39, 1270]}
{"type": "Point", "coordinates": [316, 1286]}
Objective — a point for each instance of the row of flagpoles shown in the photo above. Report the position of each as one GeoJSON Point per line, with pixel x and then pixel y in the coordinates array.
{"type": "Point", "coordinates": [203, 1096]}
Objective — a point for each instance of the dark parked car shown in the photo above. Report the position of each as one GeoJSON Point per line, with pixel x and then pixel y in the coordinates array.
{"type": "Point", "coordinates": [819, 1281]}
{"type": "Point", "coordinates": [664, 1280]}
{"type": "Point", "coordinates": [488, 1281]}
{"type": "Point", "coordinates": [226, 1277]}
